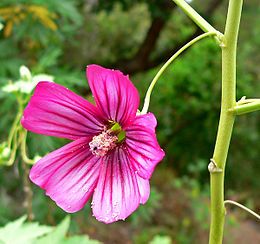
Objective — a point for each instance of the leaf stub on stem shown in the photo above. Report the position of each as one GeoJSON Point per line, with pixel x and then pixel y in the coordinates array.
{"type": "Point", "coordinates": [213, 167]}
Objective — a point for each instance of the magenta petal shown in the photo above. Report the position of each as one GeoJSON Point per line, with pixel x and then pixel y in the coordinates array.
{"type": "Point", "coordinates": [142, 145]}
{"type": "Point", "coordinates": [114, 94]}
{"type": "Point", "coordinates": [144, 189]}
{"type": "Point", "coordinates": [117, 194]}
{"type": "Point", "coordinates": [68, 174]}
{"type": "Point", "coordinates": [56, 111]}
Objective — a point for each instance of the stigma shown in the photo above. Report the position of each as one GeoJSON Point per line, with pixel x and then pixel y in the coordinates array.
{"type": "Point", "coordinates": [102, 143]}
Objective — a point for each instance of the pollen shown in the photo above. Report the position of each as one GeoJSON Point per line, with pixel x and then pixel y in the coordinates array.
{"type": "Point", "coordinates": [102, 143]}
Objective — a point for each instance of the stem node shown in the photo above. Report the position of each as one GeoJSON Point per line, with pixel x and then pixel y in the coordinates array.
{"type": "Point", "coordinates": [213, 168]}
{"type": "Point", "coordinates": [226, 121]}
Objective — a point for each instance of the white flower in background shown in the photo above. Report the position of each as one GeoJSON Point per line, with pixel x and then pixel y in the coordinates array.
{"type": "Point", "coordinates": [25, 73]}
{"type": "Point", "coordinates": [27, 82]}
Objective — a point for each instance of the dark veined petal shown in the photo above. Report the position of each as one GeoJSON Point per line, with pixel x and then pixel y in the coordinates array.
{"type": "Point", "coordinates": [118, 192]}
{"type": "Point", "coordinates": [69, 174]}
{"type": "Point", "coordinates": [56, 111]}
{"type": "Point", "coordinates": [114, 94]}
{"type": "Point", "coordinates": [142, 146]}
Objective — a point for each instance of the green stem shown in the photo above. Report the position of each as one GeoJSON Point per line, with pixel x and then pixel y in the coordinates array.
{"type": "Point", "coordinates": [16, 122]}
{"type": "Point", "coordinates": [202, 23]}
{"type": "Point", "coordinates": [28, 192]}
{"type": "Point", "coordinates": [226, 120]}
{"type": "Point", "coordinates": [243, 100]}
{"type": "Point", "coordinates": [25, 158]}
{"type": "Point", "coordinates": [174, 56]}
{"type": "Point", "coordinates": [13, 128]}
{"type": "Point", "coordinates": [14, 148]}
{"type": "Point", "coordinates": [247, 107]}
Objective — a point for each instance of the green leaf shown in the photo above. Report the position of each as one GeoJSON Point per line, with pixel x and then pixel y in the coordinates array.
{"type": "Point", "coordinates": [18, 232]}
{"type": "Point", "coordinates": [57, 235]}
{"type": "Point", "coordinates": [84, 239]}
{"type": "Point", "coordinates": [49, 57]}
{"type": "Point", "coordinates": [161, 240]}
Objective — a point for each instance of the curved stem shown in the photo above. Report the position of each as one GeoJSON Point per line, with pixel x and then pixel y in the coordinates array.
{"type": "Point", "coordinates": [14, 148]}
{"type": "Point", "coordinates": [242, 207]}
{"type": "Point", "coordinates": [226, 122]}
{"type": "Point", "coordinates": [149, 91]}
{"type": "Point", "coordinates": [23, 148]}
{"type": "Point", "coordinates": [13, 128]}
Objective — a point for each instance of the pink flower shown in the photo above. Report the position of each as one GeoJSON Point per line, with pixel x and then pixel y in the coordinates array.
{"type": "Point", "coordinates": [113, 153]}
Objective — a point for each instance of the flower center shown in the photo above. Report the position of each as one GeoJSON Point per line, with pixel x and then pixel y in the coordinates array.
{"type": "Point", "coordinates": [102, 143]}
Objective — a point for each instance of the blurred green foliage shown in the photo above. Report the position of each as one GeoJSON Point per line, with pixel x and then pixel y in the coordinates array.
{"type": "Point", "coordinates": [20, 232]}
{"type": "Point", "coordinates": [61, 37]}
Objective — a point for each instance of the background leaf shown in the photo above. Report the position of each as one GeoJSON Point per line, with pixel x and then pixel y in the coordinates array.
{"type": "Point", "coordinates": [19, 232]}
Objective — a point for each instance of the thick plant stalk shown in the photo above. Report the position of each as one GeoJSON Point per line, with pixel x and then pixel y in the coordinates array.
{"type": "Point", "coordinates": [229, 47]}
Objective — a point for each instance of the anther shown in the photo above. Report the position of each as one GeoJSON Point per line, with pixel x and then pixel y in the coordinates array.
{"type": "Point", "coordinates": [102, 143]}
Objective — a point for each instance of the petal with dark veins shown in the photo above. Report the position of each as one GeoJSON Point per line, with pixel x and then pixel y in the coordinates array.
{"type": "Point", "coordinates": [69, 175]}
{"type": "Point", "coordinates": [142, 146]}
{"type": "Point", "coordinates": [56, 111]}
{"type": "Point", "coordinates": [114, 94]}
{"type": "Point", "coordinates": [117, 194]}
